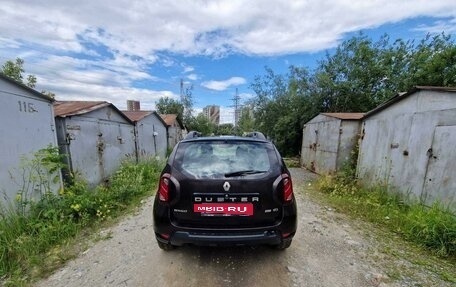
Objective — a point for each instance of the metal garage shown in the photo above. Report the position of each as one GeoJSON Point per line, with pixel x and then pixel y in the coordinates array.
{"type": "Point", "coordinates": [408, 144]}
{"type": "Point", "coordinates": [328, 141]}
{"type": "Point", "coordinates": [95, 136]}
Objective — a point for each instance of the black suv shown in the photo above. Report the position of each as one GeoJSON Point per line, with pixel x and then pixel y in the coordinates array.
{"type": "Point", "coordinates": [225, 191]}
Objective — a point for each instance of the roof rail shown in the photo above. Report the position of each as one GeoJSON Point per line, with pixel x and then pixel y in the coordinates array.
{"type": "Point", "coordinates": [193, 134]}
{"type": "Point", "coordinates": [258, 135]}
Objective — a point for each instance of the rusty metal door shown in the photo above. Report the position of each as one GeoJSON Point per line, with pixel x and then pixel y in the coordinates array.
{"type": "Point", "coordinates": [327, 146]}
{"type": "Point", "coordinates": [309, 147]}
{"type": "Point", "coordinates": [440, 182]}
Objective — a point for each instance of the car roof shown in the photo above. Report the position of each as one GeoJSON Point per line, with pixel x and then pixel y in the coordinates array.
{"type": "Point", "coordinates": [251, 136]}
{"type": "Point", "coordinates": [225, 138]}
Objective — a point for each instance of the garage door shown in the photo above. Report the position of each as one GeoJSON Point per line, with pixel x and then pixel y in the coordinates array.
{"type": "Point", "coordinates": [440, 182]}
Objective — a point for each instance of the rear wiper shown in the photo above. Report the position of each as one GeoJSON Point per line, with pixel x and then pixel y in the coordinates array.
{"type": "Point", "coordinates": [243, 172]}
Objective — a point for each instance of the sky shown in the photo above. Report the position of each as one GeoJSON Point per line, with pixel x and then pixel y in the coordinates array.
{"type": "Point", "coordinates": [123, 50]}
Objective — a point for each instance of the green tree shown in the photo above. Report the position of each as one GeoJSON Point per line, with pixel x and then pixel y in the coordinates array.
{"type": "Point", "coordinates": [357, 77]}
{"type": "Point", "coordinates": [167, 105]}
{"type": "Point", "coordinates": [246, 121]}
{"type": "Point", "coordinates": [183, 108]}
{"type": "Point", "coordinates": [362, 74]}
{"type": "Point", "coordinates": [267, 88]}
{"type": "Point", "coordinates": [433, 62]}
{"type": "Point", "coordinates": [281, 107]}
{"type": "Point", "coordinates": [352, 79]}
{"type": "Point", "coordinates": [224, 129]}
{"type": "Point", "coordinates": [201, 124]}
{"type": "Point", "coordinates": [49, 94]}
{"type": "Point", "coordinates": [15, 70]}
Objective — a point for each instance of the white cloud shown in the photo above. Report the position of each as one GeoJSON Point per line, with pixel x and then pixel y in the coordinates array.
{"type": "Point", "coordinates": [197, 111]}
{"type": "Point", "coordinates": [188, 69]}
{"type": "Point", "coordinates": [438, 27]}
{"type": "Point", "coordinates": [192, 77]}
{"type": "Point", "coordinates": [73, 90]}
{"type": "Point", "coordinates": [204, 27]}
{"type": "Point", "coordinates": [167, 62]}
{"type": "Point", "coordinates": [110, 80]}
{"type": "Point", "coordinates": [246, 96]}
{"type": "Point", "coordinates": [77, 50]}
{"type": "Point", "coordinates": [223, 85]}
{"type": "Point", "coordinates": [121, 71]}
{"type": "Point", "coordinates": [9, 43]}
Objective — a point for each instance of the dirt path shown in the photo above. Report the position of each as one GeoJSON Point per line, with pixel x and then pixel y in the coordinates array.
{"type": "Point", "coordinates": [324, 252]}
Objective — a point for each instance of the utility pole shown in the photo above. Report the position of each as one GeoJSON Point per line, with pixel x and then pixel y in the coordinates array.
{"type": "Point", "coordinates": [237, 107]}
{"type": "Point", "coordinates": [182, 90]}
{"type": "Point", "coordinates": [186, 99]}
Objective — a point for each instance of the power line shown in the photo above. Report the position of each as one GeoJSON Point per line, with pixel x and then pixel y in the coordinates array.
{"type": "Point", "coordinates": [237, 107]}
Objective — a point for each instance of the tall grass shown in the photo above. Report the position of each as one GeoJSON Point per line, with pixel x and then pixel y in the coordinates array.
{"type": "Point", "coordinates": [292, 162]}
{"type": "Point", "coordinates": [28, 240]}
{"type": "Point", "coordinates": [431, 227]}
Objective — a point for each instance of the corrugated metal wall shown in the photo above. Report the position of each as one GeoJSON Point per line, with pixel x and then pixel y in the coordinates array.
{"type": "Point", "coordinates": [151, 137]}
{"type": "Point", "coordinates": [96, 143]}
{"type": "Point", "coordinates": [320, 143]}
{"type": "Point", "coordinates": [327, 143]}
{"type": "Point", "coordinates": [349, 136]}
{"type": "Point", "coordinates": [26, 126]}
{"type": "Point", "coordinates": [174, 136]}
{"type": "Point", "coordinates": [409, 146]}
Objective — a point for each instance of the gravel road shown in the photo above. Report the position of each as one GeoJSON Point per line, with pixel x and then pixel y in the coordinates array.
{"type": "Point", "coordinates": [326, 251]}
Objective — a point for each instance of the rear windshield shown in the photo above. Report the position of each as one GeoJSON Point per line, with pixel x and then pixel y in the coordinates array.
{"type": "Point", "coordinates": [217, 159]}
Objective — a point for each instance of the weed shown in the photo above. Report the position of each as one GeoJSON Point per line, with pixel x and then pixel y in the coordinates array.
{"type": "Point", "coordinates": [433, 227]}
{"type": "Point", "coordinates": [40, 175]}
{"type": "Point", "coordinates": [169, 150]}
{"type": "Point", "coordinates": [292, 162]}
{"type": "Point", "coordinates": [32, 235]}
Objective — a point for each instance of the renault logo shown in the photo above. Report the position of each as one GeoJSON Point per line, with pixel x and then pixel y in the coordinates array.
{"type": "Point", "coordinates": [226, 186]}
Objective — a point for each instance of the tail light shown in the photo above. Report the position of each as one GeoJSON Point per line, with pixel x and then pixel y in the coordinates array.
{"type": "Point", "coordinates": [164, 235]}
{"type": "Point", "coordinates": [285, 235]}
{"type": "Point", "coordinates": [287, 188]}
{"type": "Point", "coordinates": [163, 188]}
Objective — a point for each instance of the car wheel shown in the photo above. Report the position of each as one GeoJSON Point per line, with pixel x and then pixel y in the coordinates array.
{"type": "Point", "coordinates": [165, 246]}
{"type": "Point", "coordinates": [284, 244]}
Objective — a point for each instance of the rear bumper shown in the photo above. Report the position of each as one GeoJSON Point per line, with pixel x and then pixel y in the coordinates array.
{"type": "Point", "coordinates": [201, 238]}
{"type": "Point", "coordinates": [168, 232]}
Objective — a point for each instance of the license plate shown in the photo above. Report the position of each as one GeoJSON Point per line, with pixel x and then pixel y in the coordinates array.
{"type": "Point", "coordinates": [245, 209]}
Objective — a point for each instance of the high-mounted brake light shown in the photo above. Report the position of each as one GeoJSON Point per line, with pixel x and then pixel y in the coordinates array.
{"type": "Point", "coordinates": [163, 189]}
{"type": "Point", "coordinates": [287, 188]}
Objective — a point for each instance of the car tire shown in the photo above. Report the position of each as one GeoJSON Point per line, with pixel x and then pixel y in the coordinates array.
{"type": "Point", "coordinates": [284, 244]}
{"type": "Point", "coordinates": [165, 246]}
